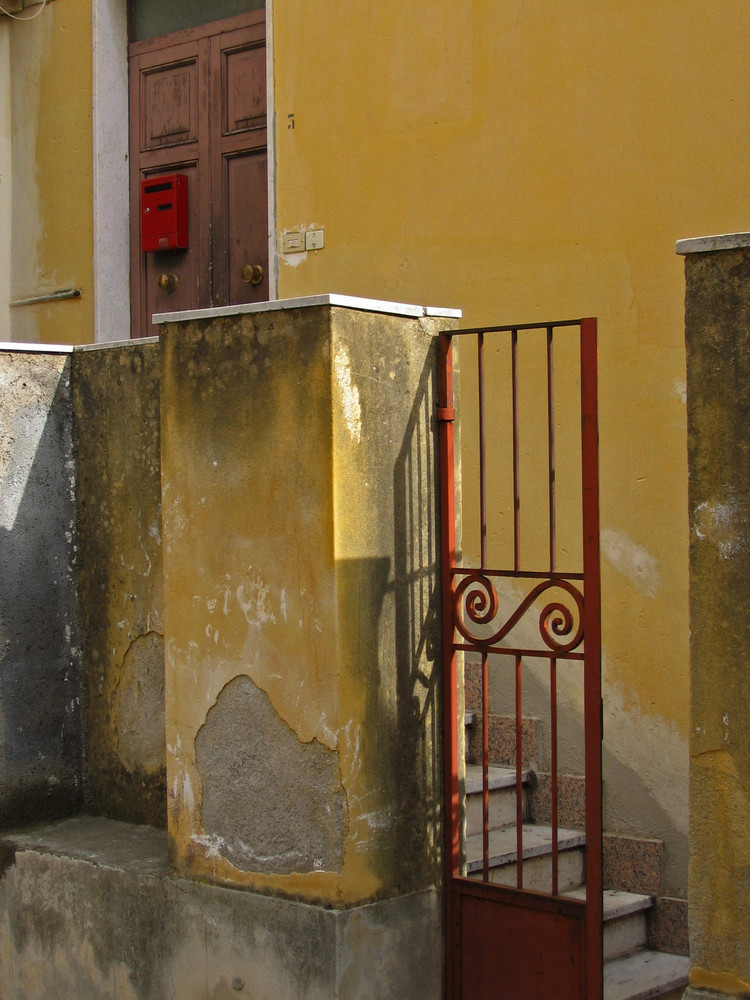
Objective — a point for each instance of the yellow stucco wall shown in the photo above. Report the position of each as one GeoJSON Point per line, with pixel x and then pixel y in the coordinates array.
{"type": "Point", "coordinates": [5, 180]}
{"type": "Point", "coordinates": [51, 157]}
{"type": "Point", "coordinates": [524, 161]}
{"type": "Point", "coordinates": [516, 160]}
{"type": "Point", "coordinates": [717, 314]}
{"type": "Point", "coordinates": [300, 588]}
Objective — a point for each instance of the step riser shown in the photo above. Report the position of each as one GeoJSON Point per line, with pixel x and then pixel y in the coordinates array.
{"type": "Point", "coordinates": [537, 872]}
{"type": "Point", "coordinates": [502, 810]}
{"type": "Point", "coordinates": [624, 935]}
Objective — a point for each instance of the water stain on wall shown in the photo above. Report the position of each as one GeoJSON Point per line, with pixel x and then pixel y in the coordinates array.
{"type": "Point", "coordinates": [139, 705]}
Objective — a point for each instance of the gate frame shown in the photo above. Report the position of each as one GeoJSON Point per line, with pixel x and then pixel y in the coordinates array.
{"type": "Point", "coordinates": [589, 912]}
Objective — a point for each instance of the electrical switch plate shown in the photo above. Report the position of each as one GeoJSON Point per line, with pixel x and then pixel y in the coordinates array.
{"type": "Point", "coordinates": [314, 240]}
{"type": "Point", "coordinates": [293, 243]}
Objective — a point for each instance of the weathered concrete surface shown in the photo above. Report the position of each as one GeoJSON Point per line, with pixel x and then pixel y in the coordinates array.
{"type": "Point", "coordinates": [718, 398]}
{"type": "Point", "coordinates": [117, 429]}
{"type": "Point", "coordinates": [256, 774]}
{"type": "Point", "coordinates": [300, 551]}
{"type": "Point", "coordinates": [88, 909]}
{"type": "Point", "coordinates": [40, 689]}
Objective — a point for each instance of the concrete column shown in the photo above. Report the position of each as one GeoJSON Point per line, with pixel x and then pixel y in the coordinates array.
{"type": "Point", "coordinates": [41, 760]}
{"type": "Point", "coordinates": [718, 403]}
{"type": "Point", "coordinates": [300, 534]}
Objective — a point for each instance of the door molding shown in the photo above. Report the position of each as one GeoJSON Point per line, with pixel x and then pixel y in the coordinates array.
{"type": "Point", "coordinates": [111, 174]}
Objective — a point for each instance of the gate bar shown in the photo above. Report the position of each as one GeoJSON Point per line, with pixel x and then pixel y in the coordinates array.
{"type": "Point", "coordinates": [451, 846]}
{"type": "Point", "coordinates": [592, 677]}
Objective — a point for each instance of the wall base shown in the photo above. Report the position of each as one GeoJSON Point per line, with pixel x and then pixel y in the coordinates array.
{"type": "Point", "coordinates": [89, 908]}
{"type": "Point", "coordinates": [693, 994]}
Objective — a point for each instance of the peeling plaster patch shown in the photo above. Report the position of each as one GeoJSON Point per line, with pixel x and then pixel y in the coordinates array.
{"type": "Point", "coordinates": [188, 799]}
{"type": "Point", "coordinates": [255, 605]}
{"type": "Point", "coordinates": [680, 388]}
{"type": "Point", "coordinates": [632, 560]}
{"type": "Point", "coordinates": [291, 259]}
{"type": "Point", "coordinates": [719, 522]}
{"type": "Point", "coordinates": [349, 394]}
{"type": "Point", "coordinates": [271, 803]}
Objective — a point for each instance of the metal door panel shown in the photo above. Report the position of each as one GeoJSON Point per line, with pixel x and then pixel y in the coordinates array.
{"type": "Point", "coordinates": [543, 945]}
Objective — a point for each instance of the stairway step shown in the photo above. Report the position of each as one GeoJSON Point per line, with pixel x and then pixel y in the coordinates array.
{"type": "Point", "coordinates": [624, 920]}
{"type": "Point", "coordinates": [502, 788]}
{"type": "Point", "coordinates": [498, 777]}
{"type": "Point", "coordinates": [469, 720]}
{"type": "Point", "coordinates": [537, 841]}
{"type": "Point", "coordinates": [537, 857]}
{"type": "Point", "coordinates": [644, 975]}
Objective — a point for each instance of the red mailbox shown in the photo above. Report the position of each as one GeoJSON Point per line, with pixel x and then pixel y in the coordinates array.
{"type": "Point", "coordinates": [164, 213]}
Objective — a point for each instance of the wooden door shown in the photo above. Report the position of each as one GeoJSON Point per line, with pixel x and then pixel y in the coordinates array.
{"type": "Point", "coordinates": [198, 107]}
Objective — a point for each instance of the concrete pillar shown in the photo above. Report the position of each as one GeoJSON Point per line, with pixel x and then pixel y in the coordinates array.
{"type": "Point", "coordinates": [41, 760]}
{"type": "Point", "coordinates": [115, 391]}
{"type": "Point", "coordinates": [300, 541]}
{"type": "Point", "coordinates": [718, 403]}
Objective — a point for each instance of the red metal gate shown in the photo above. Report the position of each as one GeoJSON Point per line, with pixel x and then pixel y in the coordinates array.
{"type": "Point", "coordinates": [537, 545]}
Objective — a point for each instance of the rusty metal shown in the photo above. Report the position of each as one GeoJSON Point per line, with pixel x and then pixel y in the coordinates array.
{"type": "Point", "coordinates": [519, 771]}
{"type": "Point", "coordinates": [592, 676]}
{"type": "Point", "coordinates": [63, 293]}
{"type": "Point", "coordinates": [564, 605]}
{"type": "Point", "coordinates": [451, 844]}
{"type": "Point", "coordinates": [516, 449]}
{"type": "Point", "coordinates": [485, 768]}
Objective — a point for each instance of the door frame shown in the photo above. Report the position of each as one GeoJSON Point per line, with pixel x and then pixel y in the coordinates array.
{"type": "Point", "coordinates": [111, 173]}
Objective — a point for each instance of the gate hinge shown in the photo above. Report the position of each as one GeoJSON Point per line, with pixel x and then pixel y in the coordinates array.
{"type": "Point", "coordinates": [446, 413]}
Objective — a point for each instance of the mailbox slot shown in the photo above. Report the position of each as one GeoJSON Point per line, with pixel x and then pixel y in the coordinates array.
{"type": "Point", "coordinates": [164, 213]}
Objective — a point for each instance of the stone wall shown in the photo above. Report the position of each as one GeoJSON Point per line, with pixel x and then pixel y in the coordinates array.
{"type": "Point", "coordinates": [219, 559]}
{"type": "Point", "coordinates": [41, 765]}
{"type": "Point", "coordinates": [301, 596]}
{"type": "Point", "coordinates": [717, 307]}
{"type": "Point", "coordinates": [117, 432]}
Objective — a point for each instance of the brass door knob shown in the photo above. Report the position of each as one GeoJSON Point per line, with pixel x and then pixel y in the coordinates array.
{"type": "Point", "coordinates": [253, 273]}
{"type": "Point", "coordinates": [168, 282]}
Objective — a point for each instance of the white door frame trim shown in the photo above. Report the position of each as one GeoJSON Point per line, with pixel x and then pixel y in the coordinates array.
{"type": "Point", "coordinates": [111, 169]}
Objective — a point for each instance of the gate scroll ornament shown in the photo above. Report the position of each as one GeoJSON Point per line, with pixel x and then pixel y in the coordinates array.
{"type": "Point", "coordinates": [475, 602]}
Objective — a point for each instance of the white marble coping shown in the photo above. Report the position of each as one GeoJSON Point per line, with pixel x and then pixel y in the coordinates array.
{"type": "Point", "coordinates": [103, 345]}
{"type": "Point", "coordinates": [345, 301]}
{"type": "Point", "coordinates": [70, 348]}
{"type": "Point", "coordinates": [705, 244]}
{"type": "Point", "coordinates": [19, 348]}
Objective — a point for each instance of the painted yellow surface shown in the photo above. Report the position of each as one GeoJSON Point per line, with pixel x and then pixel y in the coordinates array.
{"type": "Point", "coordinates": [5, 181]}
{"type": "Point", "coordinates": [51, 154]}
{"type": "Point", "coordinates": [294, 464]}
{"type": "Point", "coordinates": [719, 982]}
{"type": "Point", "coordinates": [527, 162]}
{"type": "Point", "coordinates": [516, 161]}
